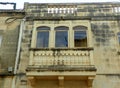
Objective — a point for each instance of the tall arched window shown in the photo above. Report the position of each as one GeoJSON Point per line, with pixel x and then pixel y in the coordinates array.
{"type": "Point", "coordinates": [42, 36]}
{"type": "Point", "coordinates": [80, 36]}
{"type": "Point", "coordinates": [61, 36]}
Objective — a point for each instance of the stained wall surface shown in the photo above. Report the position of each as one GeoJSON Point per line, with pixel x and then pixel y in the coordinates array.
{"type": "Point", "coordinates": [104, 23]}
{"type": "Point", "coordinates": [9, 32]}
{"type": "Point", "coordinates": [104, 28]}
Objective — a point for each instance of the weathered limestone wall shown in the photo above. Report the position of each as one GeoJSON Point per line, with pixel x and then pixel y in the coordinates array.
{"type": "Point", "coordinates": [105, 41]}
{"type": "Point", "coordinates": [106, 46]}
{"type": "Point", "coordinates": [106, 57]}
{"type": "Point", "coordinates": [6, 82]}
{"type": "Point", "coordinates": [25, 46]}
{"type": "Point", "coordinates": [106, 81]}
{"type": "Point", "coordinates": [76, 9]}
{"type": "Point", "coordinates": [9, 33]}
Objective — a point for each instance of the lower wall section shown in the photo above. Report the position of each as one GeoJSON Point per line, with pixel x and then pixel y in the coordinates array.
{"type": "Point", "coordinates": [107, 81]}
{"type": "Point", "coordinates": [100, 81]}
{"type": "Point", "coordinates": [75, 84]}
{"type": "Point", "coordinates": [54, 84]}
{"type": "Point", "coordinates": [6, 82]}
{"type": "Point", "coordinates": [45, 84]}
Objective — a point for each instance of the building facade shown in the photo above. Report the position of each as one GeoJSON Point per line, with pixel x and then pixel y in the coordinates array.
{"type": "Point", "coordinates": [9, 35]}
{"type": "Point", "coordinates": [61, 46]}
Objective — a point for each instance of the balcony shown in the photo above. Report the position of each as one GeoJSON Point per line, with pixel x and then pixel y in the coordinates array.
{"type": "Point", "coordinates": [61, 64]}
{"type": "Point", "coordinates": [73, 59]}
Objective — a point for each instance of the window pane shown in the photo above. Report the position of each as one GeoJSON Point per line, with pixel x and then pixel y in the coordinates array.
{"type": "Point", "coordinates": [0, 40]}
{"type": "Point", "coordinates": [61, 39]}
{"type": "Point", "coordinates": [119, 38]}
{"type": "Point", "coordinates": [80, 39]}
{"type": "Point", "coordinates": [42, 39]}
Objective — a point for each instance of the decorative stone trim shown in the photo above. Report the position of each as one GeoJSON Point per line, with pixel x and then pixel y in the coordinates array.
{"type": "Point", "coordinates": [61, 53]}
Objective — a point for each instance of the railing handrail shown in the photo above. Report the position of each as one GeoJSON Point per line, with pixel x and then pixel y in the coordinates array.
{"type": "Point", "coordinates": [77, 48]}
{"type": "Point", "coordinates": [62, 68]}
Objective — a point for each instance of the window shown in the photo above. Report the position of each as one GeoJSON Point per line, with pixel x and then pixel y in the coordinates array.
{"type": "Point", "coordinates": [119, 37]}
{"type": "Point", "coordinates": [42, 36]}
{"type": "Point", "coordinates": [61, 36]}
{"type": "Point", "coordinates": [61, 40]}
{"type": "Point", "coordinates": [117, 9]}
{"type": "Point", "coordinates": [80, 36]}
{"type": "Point", "coordinates": [0, 40]}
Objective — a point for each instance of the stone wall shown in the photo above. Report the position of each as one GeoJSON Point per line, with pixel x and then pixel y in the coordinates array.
{"type": "Point", "coordinates": [104, 35]}
{"type": "Point", "coordinates": [6, 82]}
{"type": "Point", "coordinates": [106, 57]}
{"type": "Point", "coordinates": [9, 33]}
{"type": "Point", "coordinates": [70, 10]}
{"type": "Point", "coordinates": [25, 46]}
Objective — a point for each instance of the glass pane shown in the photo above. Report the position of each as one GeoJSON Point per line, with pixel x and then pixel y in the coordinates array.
{"type": "Point", "coordinates": [119, 38]}
{"type": "Point", "coordinates": [0, 40]}
{"type": "Point", "coordinates": [80, 39]}
{"type": "Point", "coordinates": [42, 39]}
{"type": "Point", "coordinates": [61, 39]}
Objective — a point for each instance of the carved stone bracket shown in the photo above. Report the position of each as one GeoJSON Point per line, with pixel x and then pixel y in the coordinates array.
{"type": "Point", "coordinates": [61, 81]}
{"type": "Point", "coordinates": [31, 81]}
{"type": "Point", "coordinates": [90, 81]}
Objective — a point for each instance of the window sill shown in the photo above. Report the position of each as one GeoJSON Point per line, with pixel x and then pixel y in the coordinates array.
{"type": "Point", "coordinates": [61, 48]}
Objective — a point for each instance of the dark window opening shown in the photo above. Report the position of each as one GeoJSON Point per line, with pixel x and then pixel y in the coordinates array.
{"type": "Point", "coordinates": [61, 37]}
{"type": "Point", "coordinates": [80, 39]}
{"type": "Point", "coordinates": [42, 37]}
{"type": "Point", "coordinates": [119, 38]}
{"type": "Point", "coordinates": [80, 36]}
{"type": "Point", "coordinates": [0, 40]}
